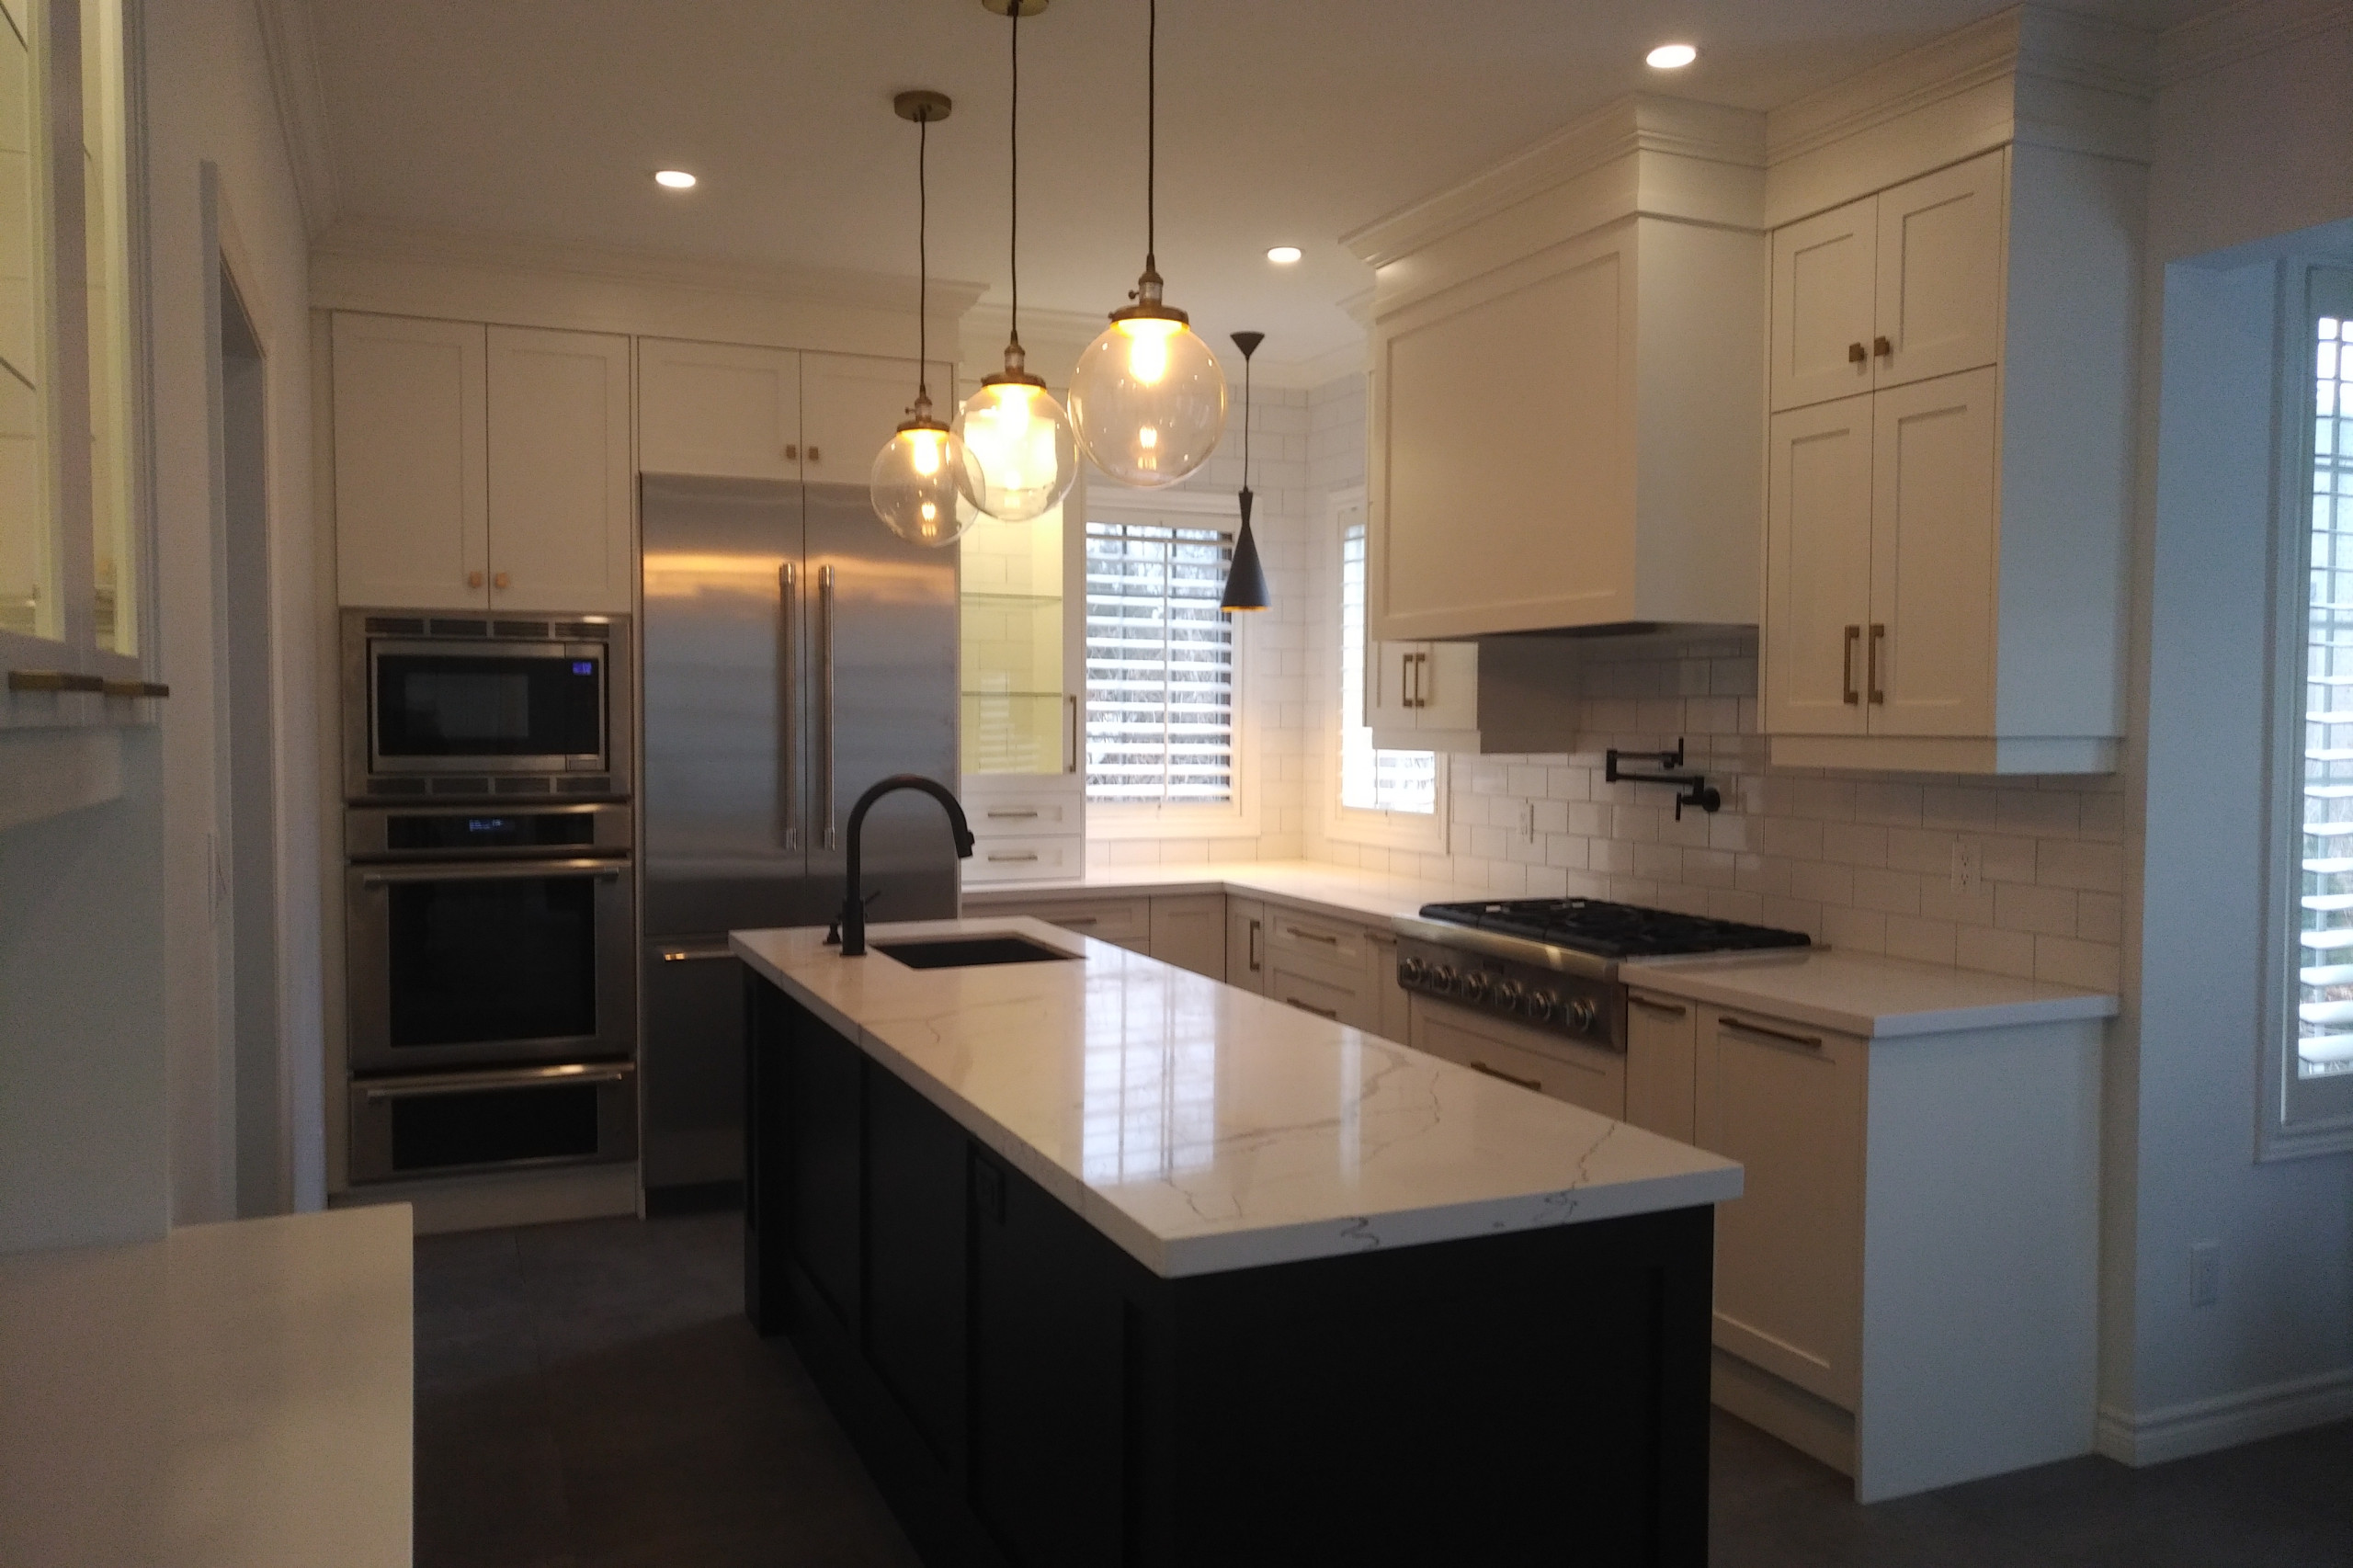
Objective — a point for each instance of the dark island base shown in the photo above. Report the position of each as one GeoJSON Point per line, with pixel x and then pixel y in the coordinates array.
{"type": "Point", "coordinates": [1030, 1396]}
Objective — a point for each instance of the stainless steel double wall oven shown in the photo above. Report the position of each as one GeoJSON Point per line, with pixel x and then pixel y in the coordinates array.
{"type": "Point", "coordinates": [489, 902]}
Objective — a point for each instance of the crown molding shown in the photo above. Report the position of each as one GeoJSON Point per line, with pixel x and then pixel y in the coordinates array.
{"type": "Point", "coordinates": [2223, 37]}
{"type": "Point", "coordinates": [361, 240]}
{"type": "Point", "coordinates": [1639, 122]}
{"type": "Point", "coordinates": [2023, 42]}
{"type": "Point", "coordinates": [292, 51]}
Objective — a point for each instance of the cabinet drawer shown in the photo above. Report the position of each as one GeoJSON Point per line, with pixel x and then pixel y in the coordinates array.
{"type": "Point", "coordinates": [1127, 920]}
{"type": "Point", "coordinates": [1582, 1076]}
{"type": "Point", "coordinates": [1332, 943]}
{"type": "Point", "coordinates": [1323, 995]}
{"type": "Point", "coordinates": [1018, 860]}
{"type": "Point", "coordinates": [1025, 817]}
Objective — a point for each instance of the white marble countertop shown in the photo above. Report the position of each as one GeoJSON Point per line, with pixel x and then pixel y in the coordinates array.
{"type": "Point", "coordinates": [1310, 885]}
{"type": "Point", "coordinates": [1853, 992]}
{"type": "Point", "coordinates": [1860, 994]}
{"type": "Point", "coordinates": [237, 1395]}
{"type": "Point", "coordinates": [1203, 1128]}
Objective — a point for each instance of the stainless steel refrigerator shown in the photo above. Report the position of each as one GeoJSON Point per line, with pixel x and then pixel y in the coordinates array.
{"type": "Point", "coordinates": [795, 651]}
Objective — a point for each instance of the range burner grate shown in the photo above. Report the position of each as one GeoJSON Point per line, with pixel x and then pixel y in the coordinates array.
{"type": "Point", "coordinates": [1611, 930]}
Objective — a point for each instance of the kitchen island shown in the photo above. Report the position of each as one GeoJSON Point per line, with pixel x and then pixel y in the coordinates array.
{"type": "Point", "coordinates": [1101, 1261]}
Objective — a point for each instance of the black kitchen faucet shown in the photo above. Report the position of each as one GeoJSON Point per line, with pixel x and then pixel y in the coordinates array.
{"type": "Point", "coordinates": [850, 929]}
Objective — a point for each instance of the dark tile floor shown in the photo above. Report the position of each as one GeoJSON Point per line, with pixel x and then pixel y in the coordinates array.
{"type": "Point", "coordinates": [589, 1396]}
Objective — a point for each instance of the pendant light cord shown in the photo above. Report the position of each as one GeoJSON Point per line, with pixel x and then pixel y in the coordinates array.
{"type": "Point", "coordinates": [923, 259]}
{"type": "Point", "coordinates": [1245, 422]}
{"type": "Point", "coordinates": [1151, 132]}
{"type": "Point", "coordinates": [1013, 125]}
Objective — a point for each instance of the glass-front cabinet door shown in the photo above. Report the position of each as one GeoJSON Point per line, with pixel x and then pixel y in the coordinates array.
{"type": "Point", "coordinates": [1023, 600]}
{"type": "Point", "coordinates": [71, 534]}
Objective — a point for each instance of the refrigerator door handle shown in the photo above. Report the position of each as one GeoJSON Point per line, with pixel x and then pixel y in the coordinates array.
{"type": "Point", "coordinates": [825, 700]}
{"type": "Point", "coordinates": [787, 702]}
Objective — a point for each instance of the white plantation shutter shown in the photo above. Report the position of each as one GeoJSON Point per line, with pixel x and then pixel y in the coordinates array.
{"type": "Point", "coordinates": [1159, 665]}
{"type": "Point", "coordinates": [2324, 1000]}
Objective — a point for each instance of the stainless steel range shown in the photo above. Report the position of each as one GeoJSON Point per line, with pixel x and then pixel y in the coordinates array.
{"type": "Point", "coordinates": [1554, 962]}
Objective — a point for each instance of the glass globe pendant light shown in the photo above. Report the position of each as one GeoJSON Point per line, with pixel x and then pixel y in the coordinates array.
{"type": "Point", "coordinates": [924, 473]}
{"type": "Point", "coordinates": [1245, 580]}
{"type": "Point", "coordinates": [1023, 451]}
{"type": "Point", "coordinates": [1148, 395]}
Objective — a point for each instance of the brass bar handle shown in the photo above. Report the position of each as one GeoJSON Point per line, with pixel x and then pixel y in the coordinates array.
{"type": "Point", "coordinates": [1421, 680]}
{"type": "Point", "coordinates": [1884, 348]}
{"type": "Point", "coordinates": [1080, 920]}
{"type": "Point", "coordinates": [1405, 681]}
{"type": "Point", "coordinates": [1257, 946]}
{"type": "Point", "coordinates": [1331, 1012]}
{"type": "Point", "coordinates": [1846, 666]}
{"type": "Point", "coordinates": [1024, 815]}
{"type": "Point", "coordinates": [135, 688]}
{"type": "Point", "coordinates": [704, 954]}
{"type": "Point", "coordinates": [1071, 765]}
{"type": "Point", "coordinates": [788, 698]}
{"type": "Point", "coordinates": [825, 697]}
{"type": "Point", "coordinates": [1878, 647]}
{"type": "Point", "coordinates": [1855, 355]}
{"type": "Point", "coordinates": [1325, 937]}
{"type": "Point", "coordinates": [1507, 1077]}
{"type": "Point", "coordinates": [54, 680]}
{"type": "Point", "coordinates": [1025, 855]}
{"type": "Point", "coordinates": [1663, 1009]}
{"type": "Point", "coordinates": [1782, 1036]}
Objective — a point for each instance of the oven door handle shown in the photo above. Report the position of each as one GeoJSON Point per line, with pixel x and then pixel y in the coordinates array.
{"type": "Point", "coordinates": [603, 871]}
{"type": "Point", "coordinates": [476, 1083]}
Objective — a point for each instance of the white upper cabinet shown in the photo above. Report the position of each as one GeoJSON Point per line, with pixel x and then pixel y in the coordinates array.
{"type": "Point", "coordinates": [411, 505]}
{"type": "Point", "coordinates": [1566, 353]}
{"type": "Point", "coordinates": [1940, 270]}
{"type": "Point", "coordinates": [1824, 273]}
{"type": "Point", "coordinates": [1818, 567]}
{"type": "Point", "coordinates": [717, 409]}
{"type": "Point", "coordinates": [1928, 657]}
{"type": "Point", "coordinates": [561, 519]}
{"type": "Point", "coordinates": [1423, 696]}
{"type": "Point", "coordinates": [481, 468]}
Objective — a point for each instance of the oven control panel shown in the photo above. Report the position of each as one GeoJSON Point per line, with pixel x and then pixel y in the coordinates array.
{"type": "Point", "coordinates": [1589, 1011]}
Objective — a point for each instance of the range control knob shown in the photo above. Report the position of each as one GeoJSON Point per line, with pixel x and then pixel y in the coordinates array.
{"type": "Point", "coordinates": [1411, 971]}
{"type": "Point", "coordinates": [1472, 986]}
{"type": "Point", "coordinates": [1539, 1006]}
{"type": "Point", "coordinates": [1582, 1015]}
{"type": "Point", "coordinates": [1442, 978]}
{"type": "Point", "coordinates": [1505, 994]}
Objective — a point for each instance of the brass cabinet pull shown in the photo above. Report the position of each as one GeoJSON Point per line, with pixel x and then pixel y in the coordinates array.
{"type": "Point", "coordinates": [815, 456]}
{"type": "Point", "coordinates": [1071, 765]}
{"type": "Point", "coordinates": [1782, 1036]}
{"type": "Point", "coordinates": [1080, 920]}
{"type": "Point", "coordinates": [1405, 681]}
{"type": "Point", "coordinates": [1663, 1009]}
{"type": "Point", "coordinates": [1257, 951]}
{"type": "Point", "coordinates": [1855, 355]}
{"type": "Point", "coordinates": [1879, 646]}
{"type": "Point", "coordinates": [1025, 855]}
{"type": "Point", "coordinates": [1846, 666]}
{"type": "Point", "coordinates": [697, 955]}
{"type": "Point", "coordinates": [1020, 815]}
{"type": "Point", "coordinates": [1535, 1084]}
{"type": "Point", "coordinates": [1328, 941]}
{"type": "Point", "coordinates": [1882, 347]}
{"type": "Point", "coordinates": [54, 680]}
{"type": "Point", "coordinates": [792, 451]}
{"type": "Point", "coordinates": [1331, 1012]}
{"type": "Point", "coordinates": [474, 579]}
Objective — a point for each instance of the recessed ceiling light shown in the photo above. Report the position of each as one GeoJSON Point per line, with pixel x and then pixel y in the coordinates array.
{"type": "Point", "coordinates": [674, 179]}
{"type": "Point", "coordinates": [1671, 56]}
{"type": "Point", "coordinates": [1283, 255]}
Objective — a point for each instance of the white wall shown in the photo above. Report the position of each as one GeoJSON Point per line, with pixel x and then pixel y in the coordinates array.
{"type": "Point", "coordinates": [2251, 133]}
{"type": "Point", "coordinates": [210, 99]}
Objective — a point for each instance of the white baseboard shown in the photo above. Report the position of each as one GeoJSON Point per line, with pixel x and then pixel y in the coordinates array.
{"type": "Point", "coordinates": [2201, 1425]}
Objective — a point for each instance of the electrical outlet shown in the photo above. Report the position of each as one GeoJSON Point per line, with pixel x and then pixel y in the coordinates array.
{"type": "Point", "coordinates": [1968, 864]}
{"type": "Point", "coordinates": [2205, 1273]}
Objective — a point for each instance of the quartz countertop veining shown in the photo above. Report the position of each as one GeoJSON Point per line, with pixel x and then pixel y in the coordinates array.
{"type": "Point", "coordinates": [1203, 1128]}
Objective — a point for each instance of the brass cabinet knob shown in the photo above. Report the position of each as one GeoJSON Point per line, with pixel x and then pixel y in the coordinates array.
{"type": "Point", "coordinates": [1855, 355]}
{"type": "Point", "coordinates": [500, 581]}
{"type": "Point", "coordinates": [792, 451]}
{"type": "Point", "coordinates": [814, 456]}
{"type": "Point", "coordinates": [474, 579]}
{"type": "Point", "coordinates": [1882, 347]}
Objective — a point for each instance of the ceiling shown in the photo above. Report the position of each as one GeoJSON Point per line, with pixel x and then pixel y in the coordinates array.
{"type": "Point", "coordinates": [1287, 122]}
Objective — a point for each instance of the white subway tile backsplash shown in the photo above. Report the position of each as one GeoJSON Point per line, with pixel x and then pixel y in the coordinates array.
{"type": "Point", "coordinates": [2019, 907]}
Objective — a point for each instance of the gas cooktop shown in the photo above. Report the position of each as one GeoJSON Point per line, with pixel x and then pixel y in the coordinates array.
{"type": "Point", "coordinates": [1609, 930]}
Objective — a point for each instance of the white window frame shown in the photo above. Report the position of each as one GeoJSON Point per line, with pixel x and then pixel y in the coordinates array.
{"type": "Point", "coordinates": [2315, 1116]}
{"type": "Point", "coordinates": [1421, 833]}
{"type": "Point", "coordinates": [1239, 816]}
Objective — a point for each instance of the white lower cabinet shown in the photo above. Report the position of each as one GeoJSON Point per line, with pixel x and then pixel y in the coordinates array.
{"type": "Point", "coordinates": [1188, 930]}
{"type": "Point", "coordinates": [1661, 1064]}
{"type": "Point", "coordinates": [1516, 1053]}
{"type": "Point", "coordinates": [1245, 944]}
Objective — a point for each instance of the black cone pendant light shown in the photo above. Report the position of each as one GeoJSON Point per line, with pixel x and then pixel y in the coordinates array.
{"type": "Point", "coordinates": [1245, 580]}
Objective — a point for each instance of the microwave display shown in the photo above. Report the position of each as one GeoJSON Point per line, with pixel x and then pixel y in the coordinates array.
{"type": "Point", "coordinates": [488, 705]}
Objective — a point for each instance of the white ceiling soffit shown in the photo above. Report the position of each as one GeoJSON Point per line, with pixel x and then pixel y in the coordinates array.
{"type": "Point", "coordinates": [1288, 123]}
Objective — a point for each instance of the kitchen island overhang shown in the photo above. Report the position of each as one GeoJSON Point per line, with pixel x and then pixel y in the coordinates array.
{"type": "Point", "coordinates": [1101, 1261]}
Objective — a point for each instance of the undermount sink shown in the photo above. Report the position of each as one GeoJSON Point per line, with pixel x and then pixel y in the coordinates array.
{"type": "Point", "coordinates": [968, 952]}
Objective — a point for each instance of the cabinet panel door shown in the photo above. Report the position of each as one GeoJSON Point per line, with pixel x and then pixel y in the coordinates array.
{"type": "Point", "coordinates": [1942, 248]}
{"type": "Point", "coordinates": [1327, 992]}
{"type": "Point", "coordinates": [1823, 281]}
{"type": "Point", "coordinates": [1934, 540]}
{"type": "Point", "coordinates": [1818, 569]}
{"type": "Point", "coordinates": [715, 409]}
{"type": "Point", "coordinates": [1188, 930]}
{"type": "Point", "coordinates": [1245, 944]}
{"type": "Point", "coordinates": [1661, 1063]}
{"type": "Point", "coordinates": [561, 519]}
{"type": "Point", "coordinates": [915, 1213]}
{"type": "Point", "coordinates": [1788, 1103]}
{"type": "Point", "coordinates": [411, 497]}
{"type": "Point", "coordinates": [825, 1116]}
{"type": "Point", "coordinates": [850, 404]}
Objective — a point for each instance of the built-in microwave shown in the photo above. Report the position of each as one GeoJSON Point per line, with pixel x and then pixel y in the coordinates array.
{"type": "Point", "coordinates": [447, 705]}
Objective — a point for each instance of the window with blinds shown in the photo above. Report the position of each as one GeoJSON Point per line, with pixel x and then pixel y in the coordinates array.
{"type": "Point", "coordinates": [1372, 780]}
{"type": "Point", "coordinates": [2324, 973]}
{"type": "Point", "coordinates": [1159, 665]}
